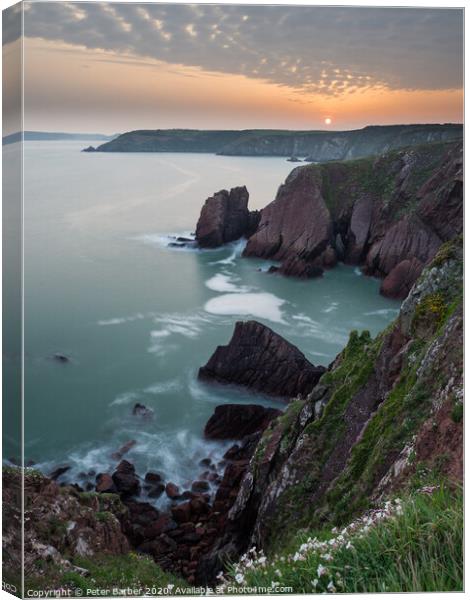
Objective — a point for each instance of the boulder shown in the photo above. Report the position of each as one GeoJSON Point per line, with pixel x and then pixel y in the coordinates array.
{"type": "Point", "coordinates": [258, 358]}
{"type": "Point", "coordinates": [125, 479]}
{"type": "Point", "coordinates": [225, 217]}
{"type": "Point", "coordinates": [140, 410]}
{"type": "Point", "coordinates": [105, 484]}
{"type": "Point", "coordinates": [236, 421]}
{"type": "Point", "coordinates": [152, 477]}
{"type": "Point", "coordinates": [172, 490]}
{"type": "Point", "coordinates": [123, 450]}
{"type": "Point", "coordinates": [200, 487]}
{"type": "Point", "coordinates": [61, 358]}
{"type": "Point", "coordinates": [181, 512]}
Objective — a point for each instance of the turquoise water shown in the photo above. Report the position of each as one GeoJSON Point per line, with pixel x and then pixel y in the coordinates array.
{"type": "Point", "coordinates": [138, 318]}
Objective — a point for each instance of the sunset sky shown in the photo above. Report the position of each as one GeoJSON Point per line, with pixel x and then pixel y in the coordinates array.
{"type": "Point", "coordinates": [110, 67]}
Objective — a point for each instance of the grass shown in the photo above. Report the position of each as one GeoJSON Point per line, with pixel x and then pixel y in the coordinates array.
{"type": "Point", "coordinates": [418, 547]}
{"type": "Point", "coordinates": [124, 572]}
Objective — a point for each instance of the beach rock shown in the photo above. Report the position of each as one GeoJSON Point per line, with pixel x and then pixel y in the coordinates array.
{"type": "Point", "coordinates": [236, 421]}
{"type": "Point", "coordinates": [58, 471]}
{"type": "Point", "coordinates": [123, 450]}
{"type": "Point", "coordinates": [105, 484]}
{"type": "Point", "coordinates": [125, 479]}
{"type": "Point", "coordinates": [61, 358]}
{"type": "Point", "coordinates": [152, 477]}
{"type": "Point", "coordinates": [296, 226]}
{"type": "Point", "coordinates": [224, 218]}
{"type": "Point", "coordinates": [89, 149]}
{"type": "Point", "coordinates": [140, 410]}
{"type": "Point", "coordinates": [181, 512]}
{"type": "Point", "coordinates": [172, 491]}
{"type": "Point", "coordinates": [200, 487]}
{"type": "Point", "coordinates": [258, 358]}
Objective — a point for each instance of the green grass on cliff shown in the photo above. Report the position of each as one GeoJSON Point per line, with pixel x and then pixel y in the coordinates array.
{"type": "Point", "coordinates": [107, 572]}
{"type": "Point", "coordinates": [418, 549]}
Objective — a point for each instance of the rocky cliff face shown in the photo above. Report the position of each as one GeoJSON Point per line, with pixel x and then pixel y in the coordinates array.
{"type": "Point", "coordinates": [225, 217]}
{"type": "Point", "coordinates": [389, 214]}
{"type": "Point", "coordinates": [318, 146]}
{"type": "Point", "coordinates": [385, 407]}
{"type": "Point", "coordinates": [258, 358]}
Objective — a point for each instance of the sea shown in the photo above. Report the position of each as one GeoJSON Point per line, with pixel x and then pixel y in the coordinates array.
{"type": "Point", "coordinates": [136, 317]}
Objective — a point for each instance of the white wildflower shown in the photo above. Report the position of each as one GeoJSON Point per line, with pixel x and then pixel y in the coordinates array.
{"type": "Point", "coordinates": [331, 587]}
{"type": "Point", "coordinates": [239, 578]}
{"type": "Point", "coordinates": [321, 570]}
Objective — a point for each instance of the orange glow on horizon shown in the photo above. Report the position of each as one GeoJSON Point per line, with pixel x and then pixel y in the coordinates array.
{"type": "Point", "coordinates": [70, 88]}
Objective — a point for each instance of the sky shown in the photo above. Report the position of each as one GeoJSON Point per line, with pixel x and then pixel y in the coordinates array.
{"type": "Point", "coordinates": [112, 67]}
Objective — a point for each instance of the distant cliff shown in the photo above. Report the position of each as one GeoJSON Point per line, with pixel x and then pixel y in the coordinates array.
{"type": "Point", "coordinates": [315, 146]}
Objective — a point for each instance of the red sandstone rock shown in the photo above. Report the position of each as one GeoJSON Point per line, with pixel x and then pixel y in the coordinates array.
{"type": "Point", "coordinates": [225, 217]}
{"type": "Point", "coordinates": [258, 358]}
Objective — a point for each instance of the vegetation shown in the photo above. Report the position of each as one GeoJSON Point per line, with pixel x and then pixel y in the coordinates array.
{"type": "Point", "coordinates": [414, 545]}
{"type": "Point", "coordinates": [124, 572]}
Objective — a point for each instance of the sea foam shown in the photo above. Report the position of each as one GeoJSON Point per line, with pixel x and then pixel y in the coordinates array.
{"type": "Point", "coordinates": [262, 305]}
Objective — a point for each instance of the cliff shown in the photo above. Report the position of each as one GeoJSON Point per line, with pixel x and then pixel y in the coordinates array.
{"type": "Point", "coordinates": [389, 214]}
{"type": "Point", "coordinates": [316, 145]}
{"type": "Point", "coordinates": [387, 412]}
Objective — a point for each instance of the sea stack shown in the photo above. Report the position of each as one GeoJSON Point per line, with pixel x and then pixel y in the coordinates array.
{"type": "Point", "coordinates": [258, 358]}
{"type": "Point", "coordinates": [225, 218]}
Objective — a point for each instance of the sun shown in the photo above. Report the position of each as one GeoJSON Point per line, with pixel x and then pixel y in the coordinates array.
{"type": "Point", "coordinates": [328, 121]}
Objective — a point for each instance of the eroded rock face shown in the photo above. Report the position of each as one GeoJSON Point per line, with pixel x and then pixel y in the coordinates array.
{"type": "Point", "coordinates": [389, 214]}
{"type": "Point", "coordinates": [296, 227]}
{"type": "Point", "coordinates": [258, 358]}
{"type": "Point", "coordinates": [225, 217]}
{"type": "Point", "coordinates": [235, 421]}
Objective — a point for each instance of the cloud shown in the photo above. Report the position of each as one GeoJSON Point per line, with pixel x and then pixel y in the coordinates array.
{"type": "Point", "coordinates": [316, 49]}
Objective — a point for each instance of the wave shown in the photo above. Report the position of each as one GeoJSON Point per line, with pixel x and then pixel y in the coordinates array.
{"type": "Point", "coordinates": [236, 252]}
{"type": "Point", "coordinates": [382, 312]}
{"type": "Point", "coordinates": [128, 319]}
{"type": "Point", "coordinates": [262, 305]}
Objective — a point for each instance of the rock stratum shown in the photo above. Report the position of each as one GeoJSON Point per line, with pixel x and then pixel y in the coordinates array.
{"type": "Point", "coordinates": [316, 146]}
{"type": "Point", "coordinates": [263, 361]}
{"type": "Point", "coordinates": [388, 214]}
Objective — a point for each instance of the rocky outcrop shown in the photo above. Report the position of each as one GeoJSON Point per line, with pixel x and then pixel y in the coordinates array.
{"type": "Point", "coordinates": [366, 425]}
{"type": "Point", "coordinates": [225, 218]}
{"type": "Point", "coordinates": [258, 358]}
{"type": "Point", "coordinates": [235, 421]}
{"type": "Point", "coordinates": [296, 228]}
{"type": "Point", "coordinates": [388, 214]}
{"type": "Point", "coordinates": [60, 524]}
